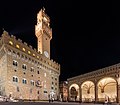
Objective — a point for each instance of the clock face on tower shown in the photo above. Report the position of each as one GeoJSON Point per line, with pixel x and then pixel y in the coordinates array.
{"type": "Point", "coordinates": [46, 54]}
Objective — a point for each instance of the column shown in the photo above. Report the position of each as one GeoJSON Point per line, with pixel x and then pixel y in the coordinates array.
{"type": "Point", "coordinates": [80, 93]}
{"type": "Point", "coordinates": [118, 93]}
{"type": "Point", "coordinates": [96, 93]}
{"type": "Point", "coordinates": [118, 90]}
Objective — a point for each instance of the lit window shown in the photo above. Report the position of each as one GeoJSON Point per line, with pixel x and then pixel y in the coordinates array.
{"type": "Point", "coordinates": [10, 42]}
{"type": "Point", "coordinates": [17, 46]}
{"type": "Point", "coordinates": [15, 63]}
{"type": "Point", "coordinates": [29, 52]}
{"type": "Point", "coordinates": [23, 49]}
{"type": "Point", "coordinates": [37, 56]}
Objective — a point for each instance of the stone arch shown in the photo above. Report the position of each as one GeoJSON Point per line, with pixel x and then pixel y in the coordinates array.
{"type": "Point", "coordinates": [74, 92]}
{"type": "Point", "coordinates": [88, 91]}
{"type": "Point", "coordinates": [107, 89]}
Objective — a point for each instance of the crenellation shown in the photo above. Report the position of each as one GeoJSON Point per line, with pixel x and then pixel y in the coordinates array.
{"type": "Point", "coordinates": [25, 43]}
{"type": "Point", "coordinates": [20, 40]}
{"type": "Point", "coordinates": [35, 49]}
{"type": "Point", "coordinates": [30, 47]}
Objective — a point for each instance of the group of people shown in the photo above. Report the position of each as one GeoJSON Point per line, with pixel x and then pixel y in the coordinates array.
{"type": "Point", "coordinates": [51, 98]}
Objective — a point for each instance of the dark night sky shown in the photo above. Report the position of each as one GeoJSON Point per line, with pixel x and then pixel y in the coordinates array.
{"type": "Point", "coordinates": [86, 35]}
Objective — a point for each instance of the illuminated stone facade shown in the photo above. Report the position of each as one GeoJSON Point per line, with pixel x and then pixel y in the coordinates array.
{"type": "Point", "coordinates": [97, 86]}
{"type": "Point", "coordinates": [27, 73]}
{"type": "Point", "coordinates": [63, 91]}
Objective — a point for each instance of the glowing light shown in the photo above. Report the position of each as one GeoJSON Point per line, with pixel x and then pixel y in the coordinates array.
{"type": "Point", "coordinates": [29, 52]}
{"type": "Point", "coordinates": [37, 56]}
{"type": "Point", "coordinates": [23, 49]}
{"type": "Point", "coordinates": [10, 42]}
{"type": "Point", "coordinates": [17, 46]}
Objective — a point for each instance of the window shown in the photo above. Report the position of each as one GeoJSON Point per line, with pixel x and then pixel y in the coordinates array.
{"type": "Point", "coordinates": [38, 72]}
{"type": "Point", "coordinates": [24, 81]}
{"type": "Point", "coordinates": [52, 83]}
{"type": "Point", "coordinates": [38, 57]}
{"type": "Point", "coordinates": [38, 92]}
{"type": "Point", "coordinates": [18, 89]}
{"type": "Point", "coordinates": [23, 49]}
{"type": "Point", "coordinates": [17, 46]}
{"type": "Point", "coordinates": [56, 79]}
{"type": "Point", "coordinates": [10, 42]}
{"type": "Point", "coordinates": [18, 54]}
{"type": "Point", "coordinates": [25, 57]}
{"type": "Point", "coordinates": [24, 66]}
{"type": "Point", "coordinates": [32, 82]}
{"type": "Point", "coordinates": [33, 54]}
{"type": "Point", "coordinates": [45, 91]}
{"type": "Point", "coordinates": [15, 79]}
{"type": "Point", "coordinates": [29, 52]}
{"type": "Point", "coordinates": [15, 63]}
{"type": "Point", "coordinates": [32, 69]}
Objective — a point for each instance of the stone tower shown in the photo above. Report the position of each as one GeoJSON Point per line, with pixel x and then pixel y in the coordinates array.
{"type": "Point", "coordinates": [43, 33]}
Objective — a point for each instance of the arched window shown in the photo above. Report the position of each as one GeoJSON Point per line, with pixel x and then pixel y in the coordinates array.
{"type": "Point", "coordinates": [24, 66]}
{"type": "Point", "coordinates": [15, 79]}
{"type": "Point", "coordinates": [38, 72]}
{"type": "Point", "coordinates": [32, 82]}
{"type": "Point", "coordinates": [15, 63]}
{"type": "Point", "coordinates": [32, 69]}
{"type": "Point", "coordinates": [24, 81]}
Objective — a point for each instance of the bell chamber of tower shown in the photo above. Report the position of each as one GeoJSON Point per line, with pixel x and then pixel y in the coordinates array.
{"type": "Point", "coordinates": [43, 33]}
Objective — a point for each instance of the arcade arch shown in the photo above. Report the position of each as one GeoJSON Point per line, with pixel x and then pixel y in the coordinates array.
{"type": "Point", "coordinates": [88, 91]}
{"type": "Point", "coordinates": [74, 92]}
{"type": "Point", "coordinates": [107, 89]}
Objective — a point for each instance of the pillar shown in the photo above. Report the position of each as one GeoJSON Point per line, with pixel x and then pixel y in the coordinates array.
{"type": "Point", "coordinates": [96, 93]}
{"type": "Point", "coordinates": [118, 93]}
{"type": "Point", "coordinates": [80, 95]}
